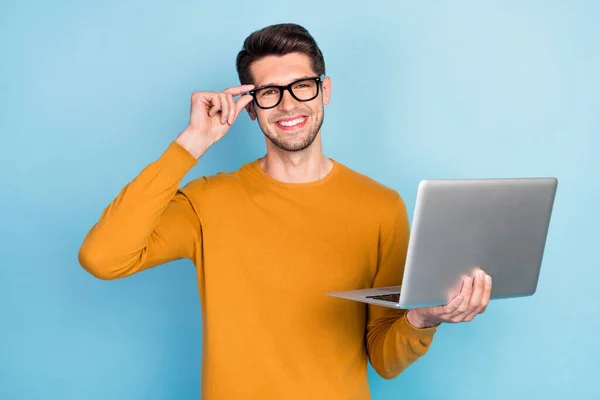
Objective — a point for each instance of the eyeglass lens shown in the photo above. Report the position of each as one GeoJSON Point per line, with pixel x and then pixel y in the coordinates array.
{"type": "Point", "coordinates": [304, 90]}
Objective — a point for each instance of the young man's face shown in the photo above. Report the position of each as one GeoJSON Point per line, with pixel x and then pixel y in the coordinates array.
{"type": "Point", "coordinates": [292, 125]}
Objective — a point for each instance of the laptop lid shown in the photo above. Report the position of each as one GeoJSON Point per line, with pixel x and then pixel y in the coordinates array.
{"type": "Point", "coordinates": [499, 225]}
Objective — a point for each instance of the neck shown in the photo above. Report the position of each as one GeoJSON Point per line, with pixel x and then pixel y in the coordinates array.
{"type": "Point", "coordinates": [304, 166]}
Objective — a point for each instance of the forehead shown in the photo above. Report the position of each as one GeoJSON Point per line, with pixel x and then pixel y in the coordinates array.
{"type": "Point", "coordinates": [280, 70]}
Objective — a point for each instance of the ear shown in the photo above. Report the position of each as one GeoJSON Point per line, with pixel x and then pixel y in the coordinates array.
{"type": "Point", "coordinates": [251, 111]}
{"type": "Point", "coordinates": [326, 90]}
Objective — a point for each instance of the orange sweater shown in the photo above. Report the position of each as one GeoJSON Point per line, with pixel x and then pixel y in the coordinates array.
{"type": "Point", "coordinates": [265, 253]}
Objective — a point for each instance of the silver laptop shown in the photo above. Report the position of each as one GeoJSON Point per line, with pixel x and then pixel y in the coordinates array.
{"type": "Point", "coordinates": [499, 225]}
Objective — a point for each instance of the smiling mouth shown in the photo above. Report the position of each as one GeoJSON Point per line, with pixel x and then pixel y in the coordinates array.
{"type": "Point", "coordinates": [292, 123]}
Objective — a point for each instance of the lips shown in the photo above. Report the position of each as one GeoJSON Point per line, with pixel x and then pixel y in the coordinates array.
{"type": "Point", "coordinates": [291, 123]}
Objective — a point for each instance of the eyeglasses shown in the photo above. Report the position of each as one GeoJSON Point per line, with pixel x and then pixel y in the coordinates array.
{"type": "Point", "coordinates": [305, 89]}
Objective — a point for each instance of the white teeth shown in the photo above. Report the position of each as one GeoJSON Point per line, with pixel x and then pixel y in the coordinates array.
{"type": "Point", "coordinates": [293, 122]}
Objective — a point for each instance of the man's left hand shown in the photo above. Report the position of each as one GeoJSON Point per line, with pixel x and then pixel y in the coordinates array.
{"type": "Point", "coordinates": [472, 300]}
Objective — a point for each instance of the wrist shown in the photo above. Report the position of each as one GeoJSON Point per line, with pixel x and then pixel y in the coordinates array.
{"type": "Point", "coordinates": [418, 320]}
{"type": "Point", "coordinates": [193, 142]}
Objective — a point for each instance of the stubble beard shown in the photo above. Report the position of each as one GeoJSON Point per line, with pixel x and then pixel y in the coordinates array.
{"type": "Point", "coordinates": [293, 143]}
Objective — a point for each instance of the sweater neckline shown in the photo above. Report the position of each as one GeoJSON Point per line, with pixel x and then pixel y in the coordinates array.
{"type": "Point", "coordinates": [257, 170]}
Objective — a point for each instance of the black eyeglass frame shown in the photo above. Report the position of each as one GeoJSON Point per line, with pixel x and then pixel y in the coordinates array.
{"type": "Point", "coordinates": [282, 89]}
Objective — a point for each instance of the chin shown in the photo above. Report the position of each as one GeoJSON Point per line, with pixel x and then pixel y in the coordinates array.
{"type": "Point", "coordinates": [298, 144]}
{"type": "Point", "coordinates": [290, 141]}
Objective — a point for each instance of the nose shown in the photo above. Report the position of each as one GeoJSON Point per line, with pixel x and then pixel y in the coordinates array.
{"type": "Point", "coordinates": [288, 102]}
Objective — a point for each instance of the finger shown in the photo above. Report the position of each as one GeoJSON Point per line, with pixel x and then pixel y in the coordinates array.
{"type": "Point", "coordinates": [485, 298]}
{"type": "Point", "coordinates": [215, 100]}
{"type": "Point", "coordinates": [475, 302]}
{"type": "Point", "coordinates": [487, 291]}
{"type": "Point", "coordinates": [477, 289]}
{"type": "Point", "coordinates": [465, 293]}
{"type": "Point", "coordinates": [442, 311]}
{"type": "Point", "coordinates": [232, 110]}
{"type": "Point", "coordinates": [237, 90]}
{"type": "Point", "coordinates": [242, 102]}
{"type": "Point", "coordinates": [224, 108]}
{"type": "Point", "coordinates": [451, 307]}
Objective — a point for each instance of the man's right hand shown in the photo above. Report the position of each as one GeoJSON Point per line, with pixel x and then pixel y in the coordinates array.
{"type": "Point", "coordinates": [211, 116]}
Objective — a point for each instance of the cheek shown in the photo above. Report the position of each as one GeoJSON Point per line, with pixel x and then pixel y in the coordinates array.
{"type": "Point", "coordinates": [262, 119]}
{"type": "Point", "coordinates": [317, 110]}
{"type": "Point", "coordinates": [265, 123]}
{"type": "Point", "coordinates": [265, 117]}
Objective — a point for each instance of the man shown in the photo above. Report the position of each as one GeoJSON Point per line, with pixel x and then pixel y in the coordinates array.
{"type": "Point", "coordinates": [270, 239]}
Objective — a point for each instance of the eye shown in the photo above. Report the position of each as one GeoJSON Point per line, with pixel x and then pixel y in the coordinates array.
{"type": "Point", "coordinates": [301, 85]}
{"type": "Point", "coordinates": [269, 92]}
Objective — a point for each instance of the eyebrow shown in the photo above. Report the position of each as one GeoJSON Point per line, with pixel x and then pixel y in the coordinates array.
{"type": "Point", "coordinates": [274, 84]}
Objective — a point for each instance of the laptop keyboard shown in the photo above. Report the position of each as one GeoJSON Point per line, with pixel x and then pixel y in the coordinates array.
{"type": "Point", "coordinates": [394, 297]}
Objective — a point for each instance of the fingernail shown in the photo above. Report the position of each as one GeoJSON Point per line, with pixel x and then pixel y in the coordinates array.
{"type": "Point", "coordinates": [480, 275]}
{"type": "Point", "coordinates": [488, 279]}
{"type": "Point", "coordinates": [468, 281]}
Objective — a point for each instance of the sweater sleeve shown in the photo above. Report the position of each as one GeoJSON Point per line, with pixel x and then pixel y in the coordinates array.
{"type": "Point", "coordinates": [149, 223]}
{"type": "Point", "coordinates": [393, 344]}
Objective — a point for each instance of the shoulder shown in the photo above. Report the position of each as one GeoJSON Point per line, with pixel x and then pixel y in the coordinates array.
{"type": "Point", "coordinates": [214, 183]}
{"type": "Point", "coordinates": [370, 190]}
{"type": "Point", "coordinates": [384, 206]}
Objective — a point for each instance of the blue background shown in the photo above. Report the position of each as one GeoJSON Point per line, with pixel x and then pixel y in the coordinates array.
{"type": "Point", "coordinates": [91, 92]}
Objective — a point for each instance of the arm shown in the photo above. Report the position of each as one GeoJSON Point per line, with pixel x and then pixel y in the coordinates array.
{"type": "Point", "coordinates": [393, 343]}
{"type": "Point", "coordinates": [149, 223]}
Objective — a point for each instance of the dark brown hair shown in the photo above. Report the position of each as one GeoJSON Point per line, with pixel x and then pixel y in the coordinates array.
{"type": "Point", "coordinates": [278, 40]}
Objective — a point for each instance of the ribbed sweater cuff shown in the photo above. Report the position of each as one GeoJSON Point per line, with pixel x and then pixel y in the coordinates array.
{"type": "Point", "coordinates": [417, 332]}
